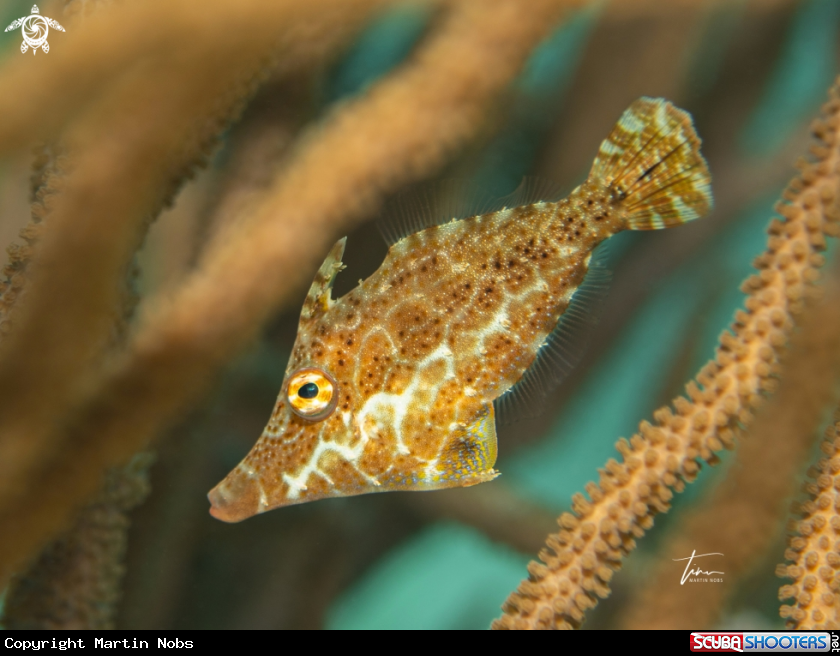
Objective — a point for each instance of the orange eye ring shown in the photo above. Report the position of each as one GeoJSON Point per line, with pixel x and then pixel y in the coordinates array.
{"type": "Point", "coordinates": [312, 393]}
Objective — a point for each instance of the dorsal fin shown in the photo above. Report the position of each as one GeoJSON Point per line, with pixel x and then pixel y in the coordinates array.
{"type": "Point", "coordinates": [532, 190]}
{"type": "Point", "coordinates": [562, 349]}
{"type": "Point", "coordinates": [430, 204]}
{"type": "Point", "coordinates": [319, 298]}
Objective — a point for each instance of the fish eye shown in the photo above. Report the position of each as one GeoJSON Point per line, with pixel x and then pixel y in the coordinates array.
{"type": "Point", "coordinates": [312, 393]}
{"type": "Point", "coordinates": [308, 391]}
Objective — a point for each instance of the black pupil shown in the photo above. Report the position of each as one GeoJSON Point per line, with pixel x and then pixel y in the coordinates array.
{"type": "Point", "coordinates": [308, 391]}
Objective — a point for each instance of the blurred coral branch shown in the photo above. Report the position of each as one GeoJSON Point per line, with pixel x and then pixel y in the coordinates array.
{"type": "Point", "coordinates": [76, 581]}
{"type": "Point", "coordinates": [580, 559]}
{"type": "Point", "coordinates": [496, 510]}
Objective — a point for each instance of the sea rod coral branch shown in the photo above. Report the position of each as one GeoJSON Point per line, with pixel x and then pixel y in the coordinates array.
{"type": "Point", "coordinates": [743, 515]}
{"type": "Point", "coordinates": [115, 40]}
{"type": "Point", "coordinates": [403, 129]}
{"type": "Point", "coordinates": [579, 561]}
{"type": "Point", "coordinates": [75, 582]}
{"type": "Point", "coordinates": [124, 167]}
{"type": "Point", "coordinates": [814, 549]}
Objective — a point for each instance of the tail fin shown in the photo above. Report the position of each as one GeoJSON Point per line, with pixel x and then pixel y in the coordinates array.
{"type": "Point", "coordinates": [652, 163]}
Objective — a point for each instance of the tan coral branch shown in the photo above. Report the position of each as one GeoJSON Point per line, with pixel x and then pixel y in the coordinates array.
{"type": "Point", "coordinates": [75, 581]}
{"type": "Point", "coordinates": [814, 549]}
{"type": "Point", "coordinates": [116, 40]}
{"type": "Point", "coordinates": [581, 558]}
{"type": "Point", "coordinates": [744, 514]}
{"type": "Point", "coordinates": [127, 156]}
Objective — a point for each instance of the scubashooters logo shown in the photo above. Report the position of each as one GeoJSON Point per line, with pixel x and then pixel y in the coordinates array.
{"type": "Point", "coordinates": [783, 641]}
{"type": "Point", "coordinates": [35, 29]}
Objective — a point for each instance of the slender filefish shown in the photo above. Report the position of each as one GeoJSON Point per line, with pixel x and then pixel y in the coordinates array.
{"type": "Point", "coordinates": [397, 384]}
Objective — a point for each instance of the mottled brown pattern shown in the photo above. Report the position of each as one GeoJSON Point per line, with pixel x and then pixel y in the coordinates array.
{"type": "Point", "coordinates": [452, 320]}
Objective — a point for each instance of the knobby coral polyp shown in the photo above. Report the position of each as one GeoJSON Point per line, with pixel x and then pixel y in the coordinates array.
{"type": "Point", "coordinates": [578, 562]}
{"type": "Point", "coordinates": [814, 551]}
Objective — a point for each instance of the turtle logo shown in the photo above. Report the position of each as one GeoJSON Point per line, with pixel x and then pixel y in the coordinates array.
{"type": "Point", "coordinates": [35, 29]}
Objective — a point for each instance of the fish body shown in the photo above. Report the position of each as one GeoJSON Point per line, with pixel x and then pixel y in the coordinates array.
{"type": "Point", "coordinates": [392, 386]}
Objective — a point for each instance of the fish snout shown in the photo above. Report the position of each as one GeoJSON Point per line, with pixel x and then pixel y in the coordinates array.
{"type": "Point", "coordinates": [236, 498]}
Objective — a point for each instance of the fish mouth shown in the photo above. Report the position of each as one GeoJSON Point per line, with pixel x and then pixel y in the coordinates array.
{"type": "Point", "coordinates": [234, 499]}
